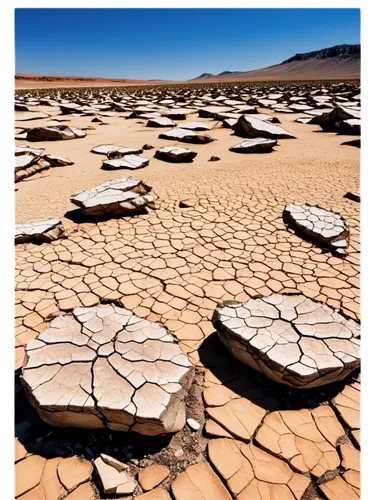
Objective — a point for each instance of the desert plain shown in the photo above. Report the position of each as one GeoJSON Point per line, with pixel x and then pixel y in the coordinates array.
{"type": "Point", "coordinates": [147, 363]}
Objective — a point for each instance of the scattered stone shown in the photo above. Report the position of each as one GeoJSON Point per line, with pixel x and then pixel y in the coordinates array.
{"type": "Point", "coordinates": [197, 126]}
{"type": "Point", "coordinates": [114, 198]}
{"type": "Point", "coordinates": [39, 231]}
{"type": "Point", "coordinates": [119, 466]}
{"type": "Point", "coordinates": [113, 151]}
{"type": "Point", "coordinates": [199, 481]}
{"type": "Point", "coordinates": [58, 133]}
{"type": "Point", "coordinates": [113, 481]}
{"type": "Point", "coordinates": [152, 476]}
{"type": "Point", "coordinates": [328, 229]}
{"type": "Point", "coordinates": [147, 146]}
{"type": "Point", "coordinates": [356, 143]}
{"type": "Point", "coordinates": [214, 158]}
{"type": "Point", "coordinates": [58, 161]}
{"type": "Point", "coordinates": [353, 195]}
{"type": "Point", "coordinates": [104, 367]}
{"type": "Point", "coordinates": [161, 121]}
{"type": "Point", "coordinates": [132, 162]}
{"type": "Point", "coordinates": [182, 135]}
{"type": "Point", "coordinates": [179, 453]}
{"type": "Point", "coordinates": [350, 127]}
{"type": "Point", "coordinates": [174, 154]}
{"type": "Point", "coordinates": [290, 338]}
{"type": "Point", "coordinates": [193, 424]}
{"type": "Point", "coordinates": [247, 126]}
{"type": "Point", "coordinates": [258, 145]}
{"type": "Point", "coordinates": [22, 116]}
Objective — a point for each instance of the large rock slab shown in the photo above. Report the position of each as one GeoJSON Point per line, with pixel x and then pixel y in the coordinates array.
{"type": "Point", "coordinates": [248, 126]}
{"type": "Point", "coordinates": [350, 127]}
{"type": "Point", "coordinates": [290, 338]}
{"type": "Point", "coordinates": [174, 154]}
{"type": "Point", "coordinates": [259, 145]}
{"type": "Point", "coordinates": [182, 135]}
{"type": "Point", "coordinates": [328, 229]}
{"type": "Point", "coordinates": [330, 121]}
{"type": "Point", "coordinates": [132, 162]}
{"type": "Point", "coordinates": [102, 367]}
{"type": "Point", "coordinates": [114, 198]}
{"type": "Point", "coordinates": [39, 231]}
{"type": "Point", "coordinates": [58, 133]}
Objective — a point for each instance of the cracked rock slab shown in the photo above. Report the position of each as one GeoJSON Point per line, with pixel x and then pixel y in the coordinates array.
{"type": "Point", "coordinates": [258, 145]}
{"type": "Point", "coordinates": [114, 198]}
{"type": "Point", "coordinates": [248, 126]}
{"type": "Point", "coordinates": [290, 338]}
{"type": "Point", "coordinates": [102, 367]}
{"type": "Point", "coordinates": [40, 231]}
{"type": "Point", "coordinates": [174, 154]}
{"type": "Point", "coordinates": [250, 472]}
{"type": "Point", "coordinates": [329, 229]}
{"type": "Point", "coordinates": [132, 162]}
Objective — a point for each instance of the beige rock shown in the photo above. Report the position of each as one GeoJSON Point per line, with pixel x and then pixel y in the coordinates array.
{"type": "Point", "coordinates": [28, 473]}
{"type": "Point", "coordinates": [199, 482]}
{"type": "Point", "coordinates": [152, 476]}
{"type": "Point", "coordinates": [74, 471]}
{"type": "Point", "coordinates": [113, 481]}
{"type": "Point", "coordinates": [157, 494]}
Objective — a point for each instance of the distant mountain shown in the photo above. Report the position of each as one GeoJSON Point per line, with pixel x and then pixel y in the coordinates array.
{"type": "Point", "coordinates": [351, 52]}
{"type": "Point", "coordinates": [338, 62]}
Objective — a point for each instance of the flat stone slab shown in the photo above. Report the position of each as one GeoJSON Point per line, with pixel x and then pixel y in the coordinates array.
{"type": "Point", "coordinates": [113, 151]}
{"type": "Point", "coordinates": [114, 198]}
{"type": "Point", "coordinates": [58, 161]}
{"type": "Point", "coordinates": [258, 145]}
{"type": "Point", "coordinates": [174, 154]}
{"type": "Point", "coordinates": [58, 133]}
{"type": "Point", "coordinates": [290, 338]}
{"type": "Point", "coordinates": [132, 162]}
{"type": "Point", "coordinates": [161, 121]}
{"type": "Point", "coordinates": [182, 135]}
{"type": "Point", "coordinates": [197, 126]}
{"type": "Point", "coordinates": [329, 229]}
{"type": "Point", "coordinates": [102, 367]}
{"type": "Point", "coordinates": [247, 126]}
{"type": "Point", "coordinates": [40, 231]}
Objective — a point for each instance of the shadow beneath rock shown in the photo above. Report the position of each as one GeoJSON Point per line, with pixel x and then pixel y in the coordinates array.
{"type": "Point", "coordinates": [255, 386]}
{"type": "Point", "coordinates": [40, 438]}
{"type": "Point", "coordinates": [78, 217]}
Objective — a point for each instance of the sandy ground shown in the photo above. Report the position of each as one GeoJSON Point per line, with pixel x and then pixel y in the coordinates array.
{"type": "Point", "coordinates": [313, 155]}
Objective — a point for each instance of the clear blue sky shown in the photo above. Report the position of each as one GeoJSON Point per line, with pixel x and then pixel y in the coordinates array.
{"type": "Point", "coordinates": [172, 44]}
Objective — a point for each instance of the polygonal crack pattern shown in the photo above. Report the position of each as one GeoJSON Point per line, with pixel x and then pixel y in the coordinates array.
{"type": "Point", "coordinates": [291, 339]}
{"type": "Point", "coordinates": [104, 367]}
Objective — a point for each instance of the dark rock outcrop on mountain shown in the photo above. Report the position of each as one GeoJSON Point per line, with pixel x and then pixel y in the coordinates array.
{"type": "Point", "coordinates": [344, 51]}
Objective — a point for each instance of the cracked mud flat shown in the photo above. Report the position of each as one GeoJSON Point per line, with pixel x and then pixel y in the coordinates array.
{"type": "Point", "coordinates": [217, 233]}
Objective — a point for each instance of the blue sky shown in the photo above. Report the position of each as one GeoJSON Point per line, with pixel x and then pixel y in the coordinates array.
{"type": "Point", "coordinates": [172, 44]}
